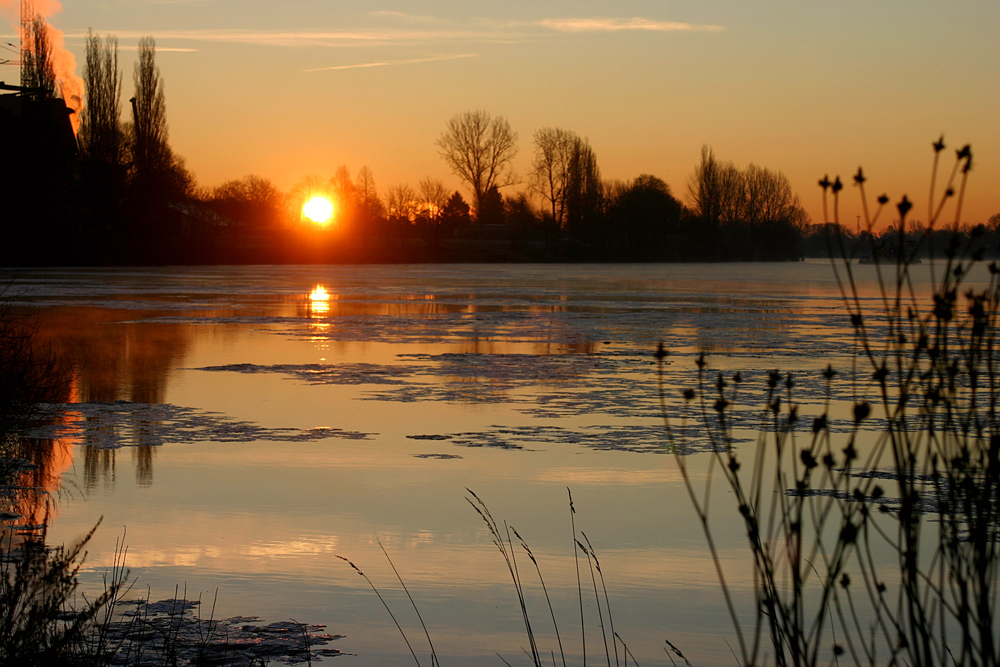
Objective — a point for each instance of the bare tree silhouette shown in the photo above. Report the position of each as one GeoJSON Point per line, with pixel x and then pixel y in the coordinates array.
{"type": "Point", "coordinates": [364, 187]}
{"type": "Point", "coordinates": [756, 205]}
{"type": "Point", "coordinates": [37, 67]}
{"type": "Point", "coordinates": [101, 135]}
{"type": "Point", "coordinates": [434, 195]}
{"type": "Point", "coordinates": [401, 202]}
{"type": "Point", "coordinates": [251, 202]}
{"type": "Point", "coordinates": [554, 151]}
{"type": "Point", "coordinates": [479, 149]}
{"type": "Point", "coordinates": [149, 111]}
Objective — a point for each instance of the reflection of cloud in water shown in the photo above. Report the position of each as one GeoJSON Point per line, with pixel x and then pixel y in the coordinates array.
{"type": "Point", "coordinates": [125, 424]}
{"type": "Point", "coordinates": [299, 546]}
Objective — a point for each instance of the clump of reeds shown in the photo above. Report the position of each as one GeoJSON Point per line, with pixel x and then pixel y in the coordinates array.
{"type": "Point", "coordinates": [615, 650]}
{"type": "Point", "coordinates": [880, 543]}
{"type": "Point", "coordinates": [39, 624]}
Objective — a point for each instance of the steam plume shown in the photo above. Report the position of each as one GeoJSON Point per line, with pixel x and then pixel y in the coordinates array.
{"type": "Point", "coordinates": [70, 85]}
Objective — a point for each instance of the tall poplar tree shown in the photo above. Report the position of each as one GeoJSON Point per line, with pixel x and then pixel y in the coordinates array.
{"type": "Point", "coordinates": [101, 136]}
{"type": "Point", "coordinates": [149, 113]}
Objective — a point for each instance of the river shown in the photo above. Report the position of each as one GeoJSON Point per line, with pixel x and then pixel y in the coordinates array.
{"type": "Point", "coordinates": [241, 427]}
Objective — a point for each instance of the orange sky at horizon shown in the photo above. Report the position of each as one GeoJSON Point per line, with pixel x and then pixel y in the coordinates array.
{"type": "Point", "coordinates": [285, 91]}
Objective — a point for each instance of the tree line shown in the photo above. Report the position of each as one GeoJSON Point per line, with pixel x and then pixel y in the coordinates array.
{"type": "Point", "coordinates": [126, 197]}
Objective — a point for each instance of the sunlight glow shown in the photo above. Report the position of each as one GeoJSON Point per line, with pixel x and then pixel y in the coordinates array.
{"type": "Point", "coordinates": [319, 210]}
{"type": "Point", "coordinates": [319, 302]}
{"type": "Point", "coordinates": [319, 294]}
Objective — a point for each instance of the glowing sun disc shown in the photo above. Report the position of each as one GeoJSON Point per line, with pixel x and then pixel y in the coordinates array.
{"type": "Point", "coordinates": [318, 209]}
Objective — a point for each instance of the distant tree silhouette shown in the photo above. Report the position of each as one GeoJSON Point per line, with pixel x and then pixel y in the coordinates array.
{"type": "Point", "coordinates": [364, 187]}
{"type": "Point", "coordinates": [369, 212]}
{"type": "Point", "coordinates": [713, 188]}
{"type": "Point", "coordinates": [103, 169]}
{"type": "Point", "coordinates": [456, 212]}
{"type": "Point", "coordinates": [583, 192]}
{"type": "Point", "coordinates": [401, 203]}
{"type": "Point", "coordinates": [491, 210]}
{"type": "Point", "coordinates": [37, 70]}
{"type": "Point", "coordinates": [101, 136]}
{"type": "Point", "coordinates": [251, 202]}
{"type": "Point", "coordinates": [550, 169]}
{"type": "Point", "coordinates": [159, 182]}
{"type": "Point", "coordinates": [345, 198]}
{"type": "Point", "coordinates": [526, 226]}
{"type": "Point", "coordinates": [479, 149]}
{"type": "Point", "coordinates": [433, 197]}
{"type": "Point", "coordinates": [310, 186]}
{"type": "Point", "coordinates": [759, 215]}
{"type": "Point", "coordinates": [149, 113]}
{"type": "Point", "coordinates": [342, 183]}
{"type": "Point", "coordinates": [643, 221]}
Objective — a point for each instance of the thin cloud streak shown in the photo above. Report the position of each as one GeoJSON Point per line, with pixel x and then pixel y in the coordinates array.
{"type": "Point", "coordinates": [168, 49]}
{"type": "Point", "coordinates": [393, 62]}
{"type": "Point", "coordinates": [484, 32]}
{"type": "Point", "coordinates": [318, 38]}
{"type": "Point", "coordinates": [410, 18]}
{"type": "Point", "coordinates": [618, 25]}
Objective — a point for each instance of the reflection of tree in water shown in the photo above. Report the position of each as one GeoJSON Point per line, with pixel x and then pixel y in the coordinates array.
{"type": "Point", "coordinates": [40, 478]}
{"type": "Point", "coordinates": [33, 470]}
{"type": "Point", "coordinates": [116, 361]}
{"type": "Point", "coordinates": [98, 467]}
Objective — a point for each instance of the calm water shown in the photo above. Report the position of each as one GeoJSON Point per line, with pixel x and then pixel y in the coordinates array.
{"type": "Point", "coordinates": [243, 426]}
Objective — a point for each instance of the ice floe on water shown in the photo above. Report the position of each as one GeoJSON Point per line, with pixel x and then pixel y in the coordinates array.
{"type": "Point", "coordinates": [613, 382]}
{"type": "Point", "coordinates": [359, 373]}
{"type": "Point", "coordinates": [171, 632]}
{"type": "Point", "coordinates": [127, 424]}
{"type": "Point", "coordinates": [625, 438]}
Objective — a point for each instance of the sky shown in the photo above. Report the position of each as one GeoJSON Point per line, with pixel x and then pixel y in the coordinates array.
{"type": "Point", "coordinates": [299, 87]}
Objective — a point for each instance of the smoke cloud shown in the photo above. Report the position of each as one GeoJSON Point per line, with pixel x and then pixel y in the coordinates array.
{"type": "Point", "coordinates": [70, 85]}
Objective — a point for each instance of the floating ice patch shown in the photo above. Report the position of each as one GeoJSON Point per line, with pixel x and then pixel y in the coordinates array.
{"type": "Point", "coordinates": [127, 424]}
{"type": "Point", "coordinates": [520, 369]}
{"type": "Point", "coordinates": [618, 383]}
{"type": "Point", "coordinates": [325, 373]}
{"type": "Point", "coordinates": [169, 632]}
{"type": "Point", "coordinates": [639, 439]}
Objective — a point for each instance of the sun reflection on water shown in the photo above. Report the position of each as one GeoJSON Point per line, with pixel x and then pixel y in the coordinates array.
{"type": "Point", "coordinates": [319, 301]}
{"type": "Point", "coordinates": [319, 310]}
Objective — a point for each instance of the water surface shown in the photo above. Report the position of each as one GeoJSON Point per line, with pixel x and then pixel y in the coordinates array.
{"type": "Point", "coordinates": [243, 426]}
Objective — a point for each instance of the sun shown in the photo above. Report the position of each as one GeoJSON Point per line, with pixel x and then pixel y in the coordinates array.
{"type": "Point", "coordinates": [318, 209]}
